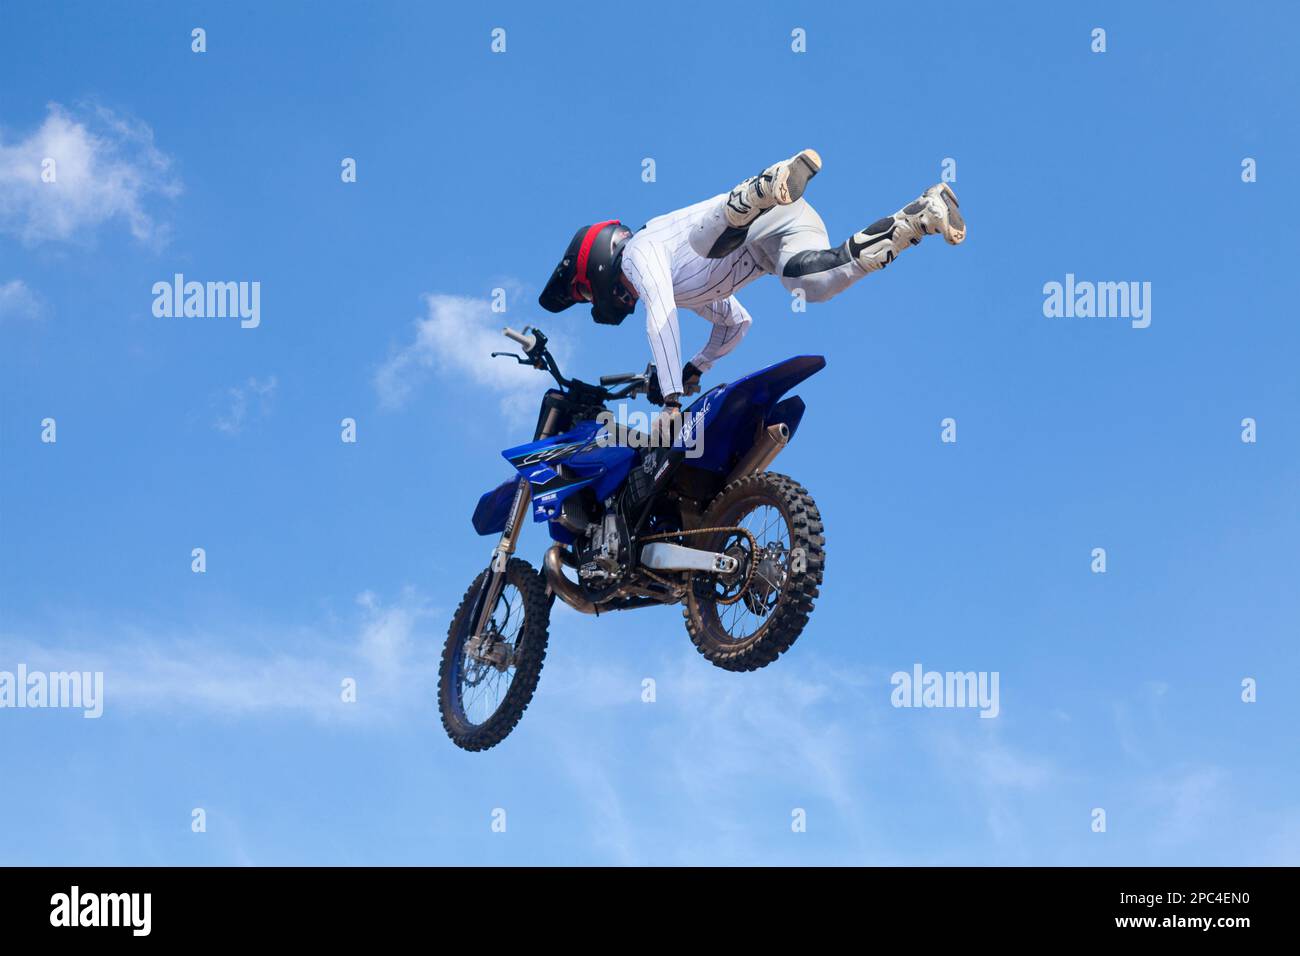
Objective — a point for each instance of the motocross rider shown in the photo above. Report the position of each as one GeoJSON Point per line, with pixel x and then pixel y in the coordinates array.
{"type": "Point", "coordinates": [698, 257]}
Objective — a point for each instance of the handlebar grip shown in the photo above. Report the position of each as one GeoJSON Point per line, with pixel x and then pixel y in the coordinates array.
{"type": "Point", "coordinates": [527, 341]}
{"type": "Point", "coordinates": [622, 379]}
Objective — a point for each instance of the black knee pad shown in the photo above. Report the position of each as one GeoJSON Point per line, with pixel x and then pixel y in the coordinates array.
{"type": "Point", "coordinates": [732, 238]}
{"type": "Point", "coordinates": [815, 260]}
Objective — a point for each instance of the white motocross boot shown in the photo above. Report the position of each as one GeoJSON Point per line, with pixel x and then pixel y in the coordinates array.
{"type": "Point", "coordinates": [934, 213]}
{"type": "Point", "coordinates": [778, 185]}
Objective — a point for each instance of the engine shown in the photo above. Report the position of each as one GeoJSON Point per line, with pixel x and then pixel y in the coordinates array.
{"type": "Point", "coordinates": [603, 554]}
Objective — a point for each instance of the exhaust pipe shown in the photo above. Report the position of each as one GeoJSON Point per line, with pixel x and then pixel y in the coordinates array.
{"type": "Point", "coordinates": [771, 440]}
{"type": "Point", "coordinates": [566, 590]}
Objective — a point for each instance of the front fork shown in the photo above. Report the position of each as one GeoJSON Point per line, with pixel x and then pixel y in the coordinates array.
{"type": "Point", "coordinates": [496, 578]}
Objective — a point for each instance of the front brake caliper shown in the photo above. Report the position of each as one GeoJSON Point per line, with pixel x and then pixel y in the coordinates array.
{"type": "Point", "coordinates": [491, 650]}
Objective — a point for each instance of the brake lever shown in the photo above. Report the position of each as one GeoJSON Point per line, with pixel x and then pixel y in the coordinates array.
{"type": "Point", "coordinates": [514, 355]}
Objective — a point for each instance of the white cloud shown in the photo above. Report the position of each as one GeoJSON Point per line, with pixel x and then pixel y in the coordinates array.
{"type": "Point", "coordinates": [997, 776]}
{"type": "Point", "coordinates": [710, 742]}
{"type": "Point", "coordinates": [455, 339]}
{"type": "Point", "coordinates": [299, 674]}
{"type": "Point", "coordinates": [105, 167]}
{"type": "Point", "coordinates": [253, 398]}
{"type": "Point", "coordinates": [385, 642]}
{"type": "Point", "coordinates": [17, 301]}
{"type": "Point", "coordinates": [610, 829]}
{"type": "Point", "coordinates": [1183, 803]}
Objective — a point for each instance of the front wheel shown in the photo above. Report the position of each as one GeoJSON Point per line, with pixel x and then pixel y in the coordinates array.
{"type": "Point", "coordinates": [746, 620]}
{"type": "Point", "coordinates": [485, 685]}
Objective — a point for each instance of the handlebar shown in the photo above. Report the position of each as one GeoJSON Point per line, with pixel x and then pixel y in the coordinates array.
{"type": "Point", "coordinates": [621, 379]}
{"type": "Point", "coordinates": [539, 356]}
{"type": "Point", "coordinates": [527, 341]}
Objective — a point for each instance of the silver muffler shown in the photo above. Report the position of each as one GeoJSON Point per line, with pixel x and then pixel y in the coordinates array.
{"type": "Point", "coordinates": [770, 442]}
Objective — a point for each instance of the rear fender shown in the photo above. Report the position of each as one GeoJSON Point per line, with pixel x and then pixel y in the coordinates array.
{"type": "Point", "coordinates": [733, 414]}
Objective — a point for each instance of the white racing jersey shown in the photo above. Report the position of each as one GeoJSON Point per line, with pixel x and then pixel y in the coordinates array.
{"type": "Point", "coordinates": [668, 274]}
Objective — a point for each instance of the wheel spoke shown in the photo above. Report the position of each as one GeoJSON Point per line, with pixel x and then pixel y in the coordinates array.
{"type": "Point", "coordinates": [769, 546]}
{"type": "Point", "coordinates": [483, 686]}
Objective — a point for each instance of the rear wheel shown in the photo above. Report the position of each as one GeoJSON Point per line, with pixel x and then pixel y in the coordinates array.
{"type": "Point", "coordinates": [484, 686]}
{"type": "Point", "coordinates": [746, 620]}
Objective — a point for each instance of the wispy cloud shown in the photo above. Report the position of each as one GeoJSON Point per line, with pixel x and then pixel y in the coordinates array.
{"type": "Point", "coordinates": [1181, 803]}
{"type": "Point", "coordinates": [714, 744]}
{"type": "Point", "coordinates": [18, 302]}
{"type": "Point", "coordinates": [245, 403]}
{"type": "Point", "coordinates": [1137, 719]}
{"type": "Point", "coordinates": [1001, 779]}
{"type": "Point", "coordinates": [78, 170]}
{"type": "Point", "coordinates": [296, 673]}
{"type": "Point", "coordinates": [455, 339]}
{"type": "Point", "coordinates": [812, 732]}
{"type": "Point", "coordinates": [385, 643]}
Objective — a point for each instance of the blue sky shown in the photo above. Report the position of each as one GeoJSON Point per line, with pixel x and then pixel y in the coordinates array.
{"type": "Point", "coordinates": [328, 560]}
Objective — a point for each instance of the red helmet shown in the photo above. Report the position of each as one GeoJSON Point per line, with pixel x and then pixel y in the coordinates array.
{"type": "Point", "coordinates": [591, 272]}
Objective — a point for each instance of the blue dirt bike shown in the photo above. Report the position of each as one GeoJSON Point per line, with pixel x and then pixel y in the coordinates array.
{"type": "Point", "coordinates": [701, 523]}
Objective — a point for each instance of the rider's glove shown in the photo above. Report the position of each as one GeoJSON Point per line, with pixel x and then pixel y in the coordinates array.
{"type": "Point", "coordinates": [668, 423]}
{"type": "Point", "coordinates": [691, 379]}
